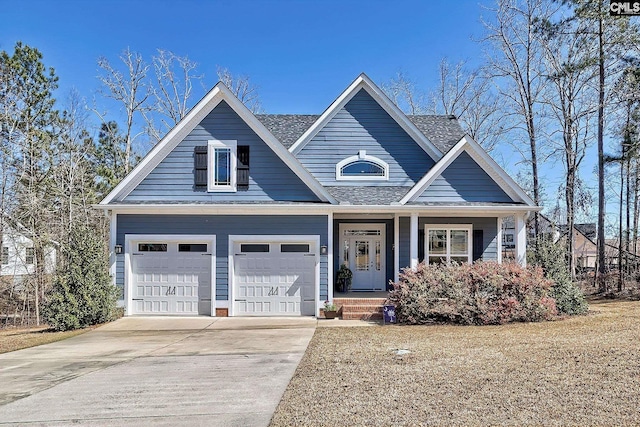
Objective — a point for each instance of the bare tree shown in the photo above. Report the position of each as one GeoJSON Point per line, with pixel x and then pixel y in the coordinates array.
{"type": "Point", "coordinates": [515, 60]}
{"type": "Point", "coordinates": [171, 91]}
{"type": "Point", "coordinates": [572, 104]}
{"type": "Point", "coordinates": [242, 88]}
{"type": "Point", "coordinates": [468, 95]}
{"type": "Point", "coordinates": [130, 89]}
{"type": "Point", "coordinates": [403, 92]}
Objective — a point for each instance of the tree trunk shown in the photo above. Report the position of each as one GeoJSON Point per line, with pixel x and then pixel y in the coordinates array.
{"type": "Point", "coordinates": [602, 285]}
{"type": "Point", "coordinates": [620, 230]}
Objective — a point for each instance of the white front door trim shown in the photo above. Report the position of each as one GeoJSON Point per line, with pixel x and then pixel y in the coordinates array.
{"type": "Point", "coordinates": [382, 227]}
{"type": "Point", "coordinates": [129, 239]}
{"type": "Point", "coordinates": [313, 240]}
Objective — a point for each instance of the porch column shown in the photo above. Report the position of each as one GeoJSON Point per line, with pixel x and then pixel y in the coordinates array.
{"type": "Point", "coordinates": [329, 256]}
{"type": "Point", "coordinates": [112, 243]}
{"type": "Point", "coordinates": [396, 247]}
{"type": "Point", "coordinates": [499, 225]}
{"type": "Point", "coordinates": [413, 251]}
{"type": "Point", "coordinates": [521, 239]}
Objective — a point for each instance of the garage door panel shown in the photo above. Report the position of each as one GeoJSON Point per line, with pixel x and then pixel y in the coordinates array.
{"type": "Point", "coordinates": [275, 282]}
{"type": "Point", "coordinates": [171, 282]}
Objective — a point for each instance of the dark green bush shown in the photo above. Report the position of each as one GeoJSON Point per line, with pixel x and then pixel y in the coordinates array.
{"type": "Point", "coordinates": [552, 258]}
{"type": "Point", "coordinates": [82, 292]}
{"type": "Point", "coordinates": [480, 293]}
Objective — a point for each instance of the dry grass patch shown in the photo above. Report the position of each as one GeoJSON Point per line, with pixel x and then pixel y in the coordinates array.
{"type": "Point", "coordinates": [13, 339]}
{"type": "Point", "coordinates": [579, 371]}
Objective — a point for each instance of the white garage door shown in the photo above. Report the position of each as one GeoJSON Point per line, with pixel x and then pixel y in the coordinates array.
{"type": "Point", "coordinates": [171, 278]}
{"type": "Point", "coordinates": [275, 278]}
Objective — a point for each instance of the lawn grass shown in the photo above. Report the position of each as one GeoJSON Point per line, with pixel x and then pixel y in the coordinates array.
{"type": "Point", "coordinates": [12, 339]}
{"type": "Point", "coordinates": [579, 371]}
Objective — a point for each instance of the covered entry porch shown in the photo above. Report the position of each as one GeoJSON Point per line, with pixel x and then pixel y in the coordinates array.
{"type": "Point", "coordinates": [375, 247]}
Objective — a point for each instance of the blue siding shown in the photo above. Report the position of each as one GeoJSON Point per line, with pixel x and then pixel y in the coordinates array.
{"type": "Point", "coordinates": [222, 226]}
{"type": "Point", "coordinates": [489, 226]}
{"type": "Point", "coordinates": [364, 125]}
{"type": "Point", "coordinates": [464, 181]}
{"type": "Point", "coordinates": [269, 177]}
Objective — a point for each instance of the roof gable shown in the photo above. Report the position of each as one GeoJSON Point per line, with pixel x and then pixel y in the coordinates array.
{"type": "Point", "coordinates": [270, 179]}
{"type": "Point", "coordinates": [215, 96]}
{"type": "Point", "coordinates": [363, 82]}
{"type": "Point", "coordinates": [362, 129]}
{"type": "Point", "coordinates": [478, 160]}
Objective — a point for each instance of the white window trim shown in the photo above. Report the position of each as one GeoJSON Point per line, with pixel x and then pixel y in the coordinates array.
{"type": "Point", "coordinates": [449, 228]}
{"type": "Point", "coordinates": [362, 156]}
{"type": "Point", "coordinates": [211, 165]}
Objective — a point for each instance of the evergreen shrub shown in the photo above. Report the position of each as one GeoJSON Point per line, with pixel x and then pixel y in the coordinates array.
{"type": "Point", "coordinates": [82, 293]}
{"type": "Point", "coordinates": [552, 258]}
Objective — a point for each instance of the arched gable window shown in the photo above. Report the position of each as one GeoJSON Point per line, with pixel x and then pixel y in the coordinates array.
{"type": "Point", "coordinates": [362, 167]}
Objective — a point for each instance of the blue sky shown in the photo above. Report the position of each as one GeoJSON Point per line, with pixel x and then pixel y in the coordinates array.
{"type": "Point", "coordinates": [301, 54]}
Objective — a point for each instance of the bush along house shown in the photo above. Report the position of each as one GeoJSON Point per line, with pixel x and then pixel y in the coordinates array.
{"type": "Point", "coordinates": [238, 214]}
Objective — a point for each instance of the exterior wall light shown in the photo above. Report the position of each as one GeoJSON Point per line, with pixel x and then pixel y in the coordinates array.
{"type": "Point", "coordinates": [323, 250]}
{"type": "Point", "coordinates": [117, 249]}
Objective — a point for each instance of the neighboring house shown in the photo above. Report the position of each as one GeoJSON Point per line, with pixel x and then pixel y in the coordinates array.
{"type": "Point", "coordinates": [547, 228]}
{"type": "Point", "coordinates": [17, 256]}
{"type": "Point", "coordinates": [585, 249]}
{"type": "Point", "coordinates": [237, 214]}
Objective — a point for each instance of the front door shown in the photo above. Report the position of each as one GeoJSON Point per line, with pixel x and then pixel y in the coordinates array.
{"type": "Point", "coordinates": [364, 253]}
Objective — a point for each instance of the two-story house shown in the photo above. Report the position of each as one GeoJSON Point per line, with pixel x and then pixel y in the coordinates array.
{"type": "Point", "coordinates": [240, 214]}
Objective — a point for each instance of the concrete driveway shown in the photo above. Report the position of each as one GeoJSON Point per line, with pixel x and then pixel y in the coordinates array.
{"type": "Point", "coordinates": [156, 371]}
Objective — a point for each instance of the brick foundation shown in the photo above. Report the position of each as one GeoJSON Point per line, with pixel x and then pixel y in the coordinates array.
{"type": "Point", "coordinates": [222, 312]}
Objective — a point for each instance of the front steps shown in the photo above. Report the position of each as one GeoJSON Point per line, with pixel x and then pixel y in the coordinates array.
{"type": "Point", "coordinates": [360, 308]}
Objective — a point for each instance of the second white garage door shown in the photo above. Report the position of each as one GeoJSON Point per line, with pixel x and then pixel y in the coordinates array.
{"type": "Point", "coordinates": [274, 278]}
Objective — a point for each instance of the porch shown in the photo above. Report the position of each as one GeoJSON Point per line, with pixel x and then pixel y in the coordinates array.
{"type": "Point", "coordinates": [376, 247]}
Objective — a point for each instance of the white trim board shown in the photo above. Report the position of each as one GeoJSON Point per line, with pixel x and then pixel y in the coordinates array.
{"type": "Point", "coordinates": [211, 100]}
{"type": "Point", "coordinates": [477, 153]}
{"type": "Point", "coordinates": [172, 238]}
{"type": "Point", "coordinates": [311, 209]}
{"type": "Point", "coordinates": [364, 82]}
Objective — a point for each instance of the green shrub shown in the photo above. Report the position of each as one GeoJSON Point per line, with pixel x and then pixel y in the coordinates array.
{"type": "Point", "coordinates": [82, 293]}
{"type": "Point", "coordinates": [552, 258]}
{"type": "Point", "coordinates": [481, 293]}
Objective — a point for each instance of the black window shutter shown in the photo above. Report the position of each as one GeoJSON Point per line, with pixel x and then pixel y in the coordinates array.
{"type": "Point", "coordinates": [420, 245]}
{"type": "Point", "coordinates": [243, 167]}
{"type": "Point", "coordinates": [478, 244]}
{"type": "Point", "coordinates": [200, 167]}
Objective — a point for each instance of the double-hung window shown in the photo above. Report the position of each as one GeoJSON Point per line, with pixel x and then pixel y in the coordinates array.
{"type": "Point", "coordinates": [448, 242]}
{"type": "Point", "coordinates": [221, 165]}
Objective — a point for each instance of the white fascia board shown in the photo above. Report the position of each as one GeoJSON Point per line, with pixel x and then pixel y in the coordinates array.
{"type": "Point", "coordinates": [364, 82]}
{"type": "Point", "coordinates": [484, 160]}
{"type": "Point", "coordinates": [277, 147]}
{"type": "Point", "coordinates": [211, 100]}
{"type": "Point", "coordinates": [166, 145]}
{"type": "Point", "coordinates": [314, 209]}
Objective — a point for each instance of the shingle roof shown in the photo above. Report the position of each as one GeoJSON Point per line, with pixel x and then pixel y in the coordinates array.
{"type": "Point", "coordinates": [287, 127]}
{"type": "Point", "coordinates": [357, 195]}
{"type": "Point", "coordinates": [443, 131]}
